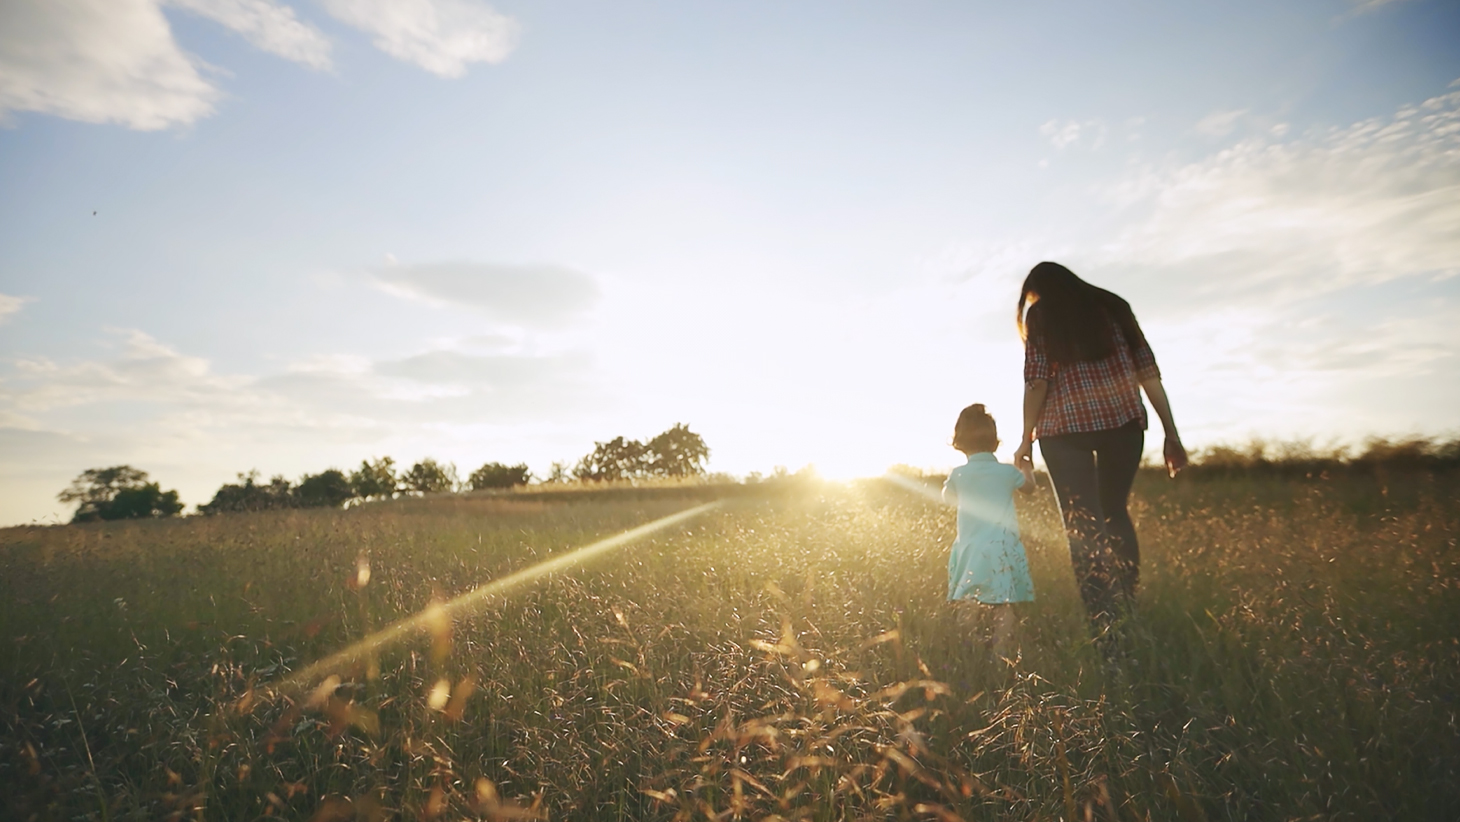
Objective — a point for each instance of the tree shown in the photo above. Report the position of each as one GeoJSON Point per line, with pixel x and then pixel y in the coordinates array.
{"type": "Point", "coordinates": [119, 492]}
{"type": "Point", "coordinates": [249, 495]}
{"type": "Point", "coordinates": [558, 472]}
{"type": "Point", "coordinates": [375, 479]}
{"type": "Point", "coordinates": [678, 452]}
{"type": "Point", "coordinates": [329, 489]}
{"type": "Point", "coordinates": [497, 475]}
{"type": "Point", "coordinates": [431, 477]}
{"type": "Point", "coordinates": [617, 459]}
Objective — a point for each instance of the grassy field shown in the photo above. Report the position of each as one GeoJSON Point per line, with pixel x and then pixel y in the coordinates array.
{"type": "Point", "coordinates": [1296, 655]}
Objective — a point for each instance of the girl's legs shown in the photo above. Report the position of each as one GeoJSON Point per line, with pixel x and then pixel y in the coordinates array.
{"type": "Point", "coordinates": [988, 627]}
{"type": "Point", "coordinates": [999, 642]}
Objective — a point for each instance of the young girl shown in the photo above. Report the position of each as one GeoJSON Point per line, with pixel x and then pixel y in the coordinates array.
{"type": "Point", "coordinates": [987, 564]}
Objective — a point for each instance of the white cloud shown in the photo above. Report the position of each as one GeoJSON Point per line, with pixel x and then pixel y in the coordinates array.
{"type": "Point", "coordinates": [98, 61]}
{"type": "Point", "coordinates": [1219, 123]}
{"type": "Point", "coordinates": [269, 26]}
{"type": "Point", "coordinates": [11, 305]}
{"type": "Point", "coordinates": [1362, 204]}
{"type": "Point", "coordinates": [440, 36]}
{"type": "Point", "coordinates": [517, 294]}
{"type": "Point", "coordinates": [1074, 132]}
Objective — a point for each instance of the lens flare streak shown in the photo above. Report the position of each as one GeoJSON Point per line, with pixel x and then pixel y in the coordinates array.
{"type": "Point", "coordinates": [434, 615]}
{"type": "Point", "coordinates": [977, 507]}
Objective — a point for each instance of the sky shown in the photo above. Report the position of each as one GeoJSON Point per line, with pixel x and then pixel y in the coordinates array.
{"type": "Point", "coordinates": [289, 236]}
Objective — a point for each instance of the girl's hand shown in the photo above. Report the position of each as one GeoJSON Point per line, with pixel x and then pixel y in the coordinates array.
{"type": "Point", "coordinates": [1175, 455]}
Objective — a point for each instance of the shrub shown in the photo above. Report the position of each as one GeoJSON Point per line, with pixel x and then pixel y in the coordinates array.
{"type": "Point", "coordinates": [497, 475]}
{"type": "Point", "coordinates": [375, 479]}
{"type": "Point", "coordinates": [431, 477]}
{"type": "Point", "coordinates": [329, 489]}
{"type": "Point", "coordinates": [248, 495]}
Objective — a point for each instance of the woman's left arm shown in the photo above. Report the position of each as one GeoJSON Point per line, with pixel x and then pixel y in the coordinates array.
{"type": "Point", "coordinates": [1175, 452]}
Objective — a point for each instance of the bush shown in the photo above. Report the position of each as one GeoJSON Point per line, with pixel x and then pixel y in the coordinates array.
{"type": "Point", "coordinates": [431, 477]}
{"type": "Point", "coordinates": [375, 479]}
{"type": "Point", "coordinates": [329, 489]}
{"type": "Point", "coordinates": [248, 495]}
{"type": "Point", "coordinates": [497, 475]}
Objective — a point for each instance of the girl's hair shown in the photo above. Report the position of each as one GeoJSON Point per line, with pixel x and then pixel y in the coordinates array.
{"type": "Point", "coordinates": [975, 430]}
{"type": "Point", "coordinates": [1075, 320]}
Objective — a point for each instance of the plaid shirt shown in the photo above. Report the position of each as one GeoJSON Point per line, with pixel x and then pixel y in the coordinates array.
{"type": "Point", "coordinates": [1091, 395]}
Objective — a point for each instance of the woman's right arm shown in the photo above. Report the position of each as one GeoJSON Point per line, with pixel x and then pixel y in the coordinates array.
{"type": "Point", "coordinates": [1035, 392]}
{"type": "Point", "coordinates": [1175, 452]}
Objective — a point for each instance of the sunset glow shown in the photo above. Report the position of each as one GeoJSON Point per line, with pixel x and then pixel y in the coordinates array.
{"type": "Point", "coordinates": [799, 230]}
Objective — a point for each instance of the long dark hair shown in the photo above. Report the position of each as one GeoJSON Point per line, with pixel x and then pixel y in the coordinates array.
{"type": "Point", "coordinates": [1075, 320]}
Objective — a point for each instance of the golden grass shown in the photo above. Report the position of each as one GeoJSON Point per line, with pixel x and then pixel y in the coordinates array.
{"type": "Point", "coordinates": [788, 655]}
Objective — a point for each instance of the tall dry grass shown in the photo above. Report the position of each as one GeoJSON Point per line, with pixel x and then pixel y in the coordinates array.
{"type": "Point", "coordinates": [1294, 656]}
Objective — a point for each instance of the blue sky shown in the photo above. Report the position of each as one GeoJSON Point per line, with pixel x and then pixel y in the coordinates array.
{"type": "Point", "coordinates": [332, 230]}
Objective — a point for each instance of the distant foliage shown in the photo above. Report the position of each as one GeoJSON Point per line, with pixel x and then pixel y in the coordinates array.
{"type": "Point", "coordinates": [497, 475]}
{"type": "Point", "coordinates": [1301, 458]}
{"type": "Point", "coordinates": [248, 494]}
{"type": "Point", "coordinates": [431, 477]}
{"type": "Point", "coordinates": [617, 459]}
{"type": "Point", "coordinates": [678, 452]}
{"type": "Point", "coordinates": [119, 492]}
{"type": "Point", "coordinates": [375, 480]}
{"type": "Point", "coordinates": [329, 489]}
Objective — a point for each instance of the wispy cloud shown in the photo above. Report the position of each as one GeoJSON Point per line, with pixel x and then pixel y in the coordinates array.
{"type": "Point", "coordinates": [1362, 204]}
{"type": "Point", "coordinates": [268, 25]}
{"type": "Point", "coordinates": [514, 294]}
{"type": "Point", "coordinates": [10, 305]}
{"type": "Point", "coordinates": [1220, 123]}
{"type": "Point", "coordinates": [1068, 133]}
{"type": "Point", "coordinates": [441, 36]}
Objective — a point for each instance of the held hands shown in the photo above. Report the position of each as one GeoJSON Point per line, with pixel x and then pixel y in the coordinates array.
{"type": "Point", "coordinates": [1024, 455]}
{"type": "Point", "coordinates": [1175, 456]}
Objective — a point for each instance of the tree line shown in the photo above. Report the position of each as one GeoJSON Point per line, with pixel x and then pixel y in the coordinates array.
{"type": "Point", "coordinates": [124, 492]}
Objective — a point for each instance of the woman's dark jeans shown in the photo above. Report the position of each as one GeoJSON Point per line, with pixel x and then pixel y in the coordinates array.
{"type": "Point", "coordinates": [1092, 474]}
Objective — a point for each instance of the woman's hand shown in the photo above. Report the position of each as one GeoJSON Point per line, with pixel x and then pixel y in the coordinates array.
{"type": "Point", "coordinates": [1024, 455]}
{"type": "Point", "coordinates": [1175, 455]}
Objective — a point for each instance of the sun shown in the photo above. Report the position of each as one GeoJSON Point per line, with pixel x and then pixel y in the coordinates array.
{"type": "Point", "coordinates": [844, 468]}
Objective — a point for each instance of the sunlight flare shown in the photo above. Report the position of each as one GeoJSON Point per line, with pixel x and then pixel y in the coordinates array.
{"type": "Point", "coordinates": [429, 620]}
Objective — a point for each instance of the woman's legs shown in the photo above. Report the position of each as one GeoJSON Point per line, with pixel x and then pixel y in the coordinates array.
{"type": "Point", "coordinates": [1117, 457]}
{"type": "Point", "coordinates": [1092, 475]}
{"type": "Point", "coordinates": [1071, 462]}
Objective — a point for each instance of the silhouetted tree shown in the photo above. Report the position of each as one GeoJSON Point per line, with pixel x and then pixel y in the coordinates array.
{"type": "Point", "coordinates": [375, 479]}
{"type": "Point", "coordinates": [617, 459]}
{"type": "Point", "coordinates": [497, 475]}
{"type": "Point", "coordinates": [119, 492]}
{"type": "Point", "coordinates": [678, 452]}
{"type": "Point", "coordinates": [431, 477]}
{"type": "Point", "coordinates": [558, 472]}
{"type": "Point", "coordinates": [329, 489]}
{"type": "Point", "coordinates": [249, 495]}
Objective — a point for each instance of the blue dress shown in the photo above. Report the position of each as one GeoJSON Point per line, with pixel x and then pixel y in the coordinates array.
{"type": "Point", "coordinates": [987, 562]}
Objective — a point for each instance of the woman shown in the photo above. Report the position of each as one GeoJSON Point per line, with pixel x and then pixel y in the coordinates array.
{"type": "Point", "coordinates": [1085, 363]}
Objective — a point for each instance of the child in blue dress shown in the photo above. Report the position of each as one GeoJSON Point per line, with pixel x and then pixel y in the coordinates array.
{"type": "Point", "coordinates": [987, 564]}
